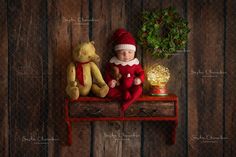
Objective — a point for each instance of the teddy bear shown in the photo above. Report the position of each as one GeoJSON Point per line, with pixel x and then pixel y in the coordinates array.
{"type": "Point", "coordinates": [83, 75]}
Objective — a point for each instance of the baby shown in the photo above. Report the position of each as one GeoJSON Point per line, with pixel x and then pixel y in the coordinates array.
{"type": "Point", "coordinates": [124, 75]}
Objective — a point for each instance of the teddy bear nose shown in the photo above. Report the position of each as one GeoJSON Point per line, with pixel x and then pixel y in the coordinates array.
{"type": "Point", "coordinates": [96, 58]}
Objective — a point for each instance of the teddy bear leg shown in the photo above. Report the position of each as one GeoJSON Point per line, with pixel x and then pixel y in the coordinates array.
{"type": "Point", "coordinates": [84, 90]}
{"type": "Point", "coordinates": [73, 92]}
{"type": "Point", "coordinates": [100, 91]}
{"type": "Point", "coordinates": [136, 91]}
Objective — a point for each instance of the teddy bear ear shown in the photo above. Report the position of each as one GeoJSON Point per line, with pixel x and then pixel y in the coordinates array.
{"type": "Point", "coordinates": [92, 42]}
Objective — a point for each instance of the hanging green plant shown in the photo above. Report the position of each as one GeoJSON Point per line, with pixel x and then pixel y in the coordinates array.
{"type": "Point", "coordinates": [163, 32]}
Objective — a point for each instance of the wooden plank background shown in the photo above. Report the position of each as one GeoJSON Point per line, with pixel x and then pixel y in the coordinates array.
{"type": "Point", "coordinates": [66, 29]}
{"type": "Point", "coordinates": [36, 42]}
{"type": "Point", "coordinates": [27, 58]}
{"type": "Point", "coordinates": [206, 89]}
{"type": "Point", "coordinates": [3, 80]}
{"type": "Point", "coordinates": [229, 80]}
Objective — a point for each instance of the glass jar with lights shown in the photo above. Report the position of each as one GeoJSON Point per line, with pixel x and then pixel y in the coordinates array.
{"type": "Point", "coordinates": [158, 76]}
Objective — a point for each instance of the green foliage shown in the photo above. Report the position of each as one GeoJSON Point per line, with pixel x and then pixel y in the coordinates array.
{"type": "Point", "coordinates": [163, 32]}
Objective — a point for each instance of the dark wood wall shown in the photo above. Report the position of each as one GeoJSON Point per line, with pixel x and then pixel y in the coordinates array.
{"type": "Point", "coordinates": [36, 41]}
{"type": "Point", "coordinates": [3, 80]}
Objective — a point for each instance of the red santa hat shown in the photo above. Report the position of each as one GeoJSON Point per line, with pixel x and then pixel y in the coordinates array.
{"type": "Point", "coordinates": [123, 39]}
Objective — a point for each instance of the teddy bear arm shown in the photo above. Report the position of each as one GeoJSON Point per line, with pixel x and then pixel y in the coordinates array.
{"type": "Point", "coordinates": [71, 73]}
{"type": "Point", "coordinates": [71, 89]}
{"type": "Point", "coordinates": [97, 74]}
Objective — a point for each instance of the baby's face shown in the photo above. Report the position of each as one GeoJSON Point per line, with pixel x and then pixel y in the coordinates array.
{"type": "Point", "coordinates": [125, 55]}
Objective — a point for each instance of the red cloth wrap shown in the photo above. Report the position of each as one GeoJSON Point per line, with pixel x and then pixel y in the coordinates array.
{"type": "Point", "coordinates": [79, 72]}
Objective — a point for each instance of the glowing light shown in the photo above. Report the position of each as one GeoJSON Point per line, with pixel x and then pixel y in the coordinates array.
{"type": "Point", "coordinates": [158, 75]}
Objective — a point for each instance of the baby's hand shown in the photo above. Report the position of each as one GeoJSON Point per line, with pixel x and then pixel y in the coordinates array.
{"type": "Point", "coordinates": [112, 83]}
{"type": "Point", "coordinates": [137, 81]}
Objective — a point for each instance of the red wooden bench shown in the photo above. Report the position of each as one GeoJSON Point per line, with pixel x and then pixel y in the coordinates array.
{"type": "Point", "coordinates": [146, 108]}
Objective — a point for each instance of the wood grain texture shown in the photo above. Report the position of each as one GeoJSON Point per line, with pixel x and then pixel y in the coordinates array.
{"type": "Point", "coordinates": [107, 139]}
{"type": "Point", "coordinates": [28, 48]}
{"type": "Point", "coordinates": [94, 109]}
{"type": "Point", "coordinates": [177, 84]}
{"type": "Point", "coordinates": [205, 61]}
{"type": "Point", "coordinates": [230, 84]}
{"type": "Point", "coordinates": [3, 80]}
{"type": "Point", "coordinates": [109, 16]}
{"type": "Point", "coordinates": [131, 146]}
{"type": "Point", "coordinates": [153, 137]}
{"type": "Point", "coordinates": [155, 109]}
{"type": "Point", "coordinates": [68, 25]}
{"type": "Point", "coordinates": [134, 22]}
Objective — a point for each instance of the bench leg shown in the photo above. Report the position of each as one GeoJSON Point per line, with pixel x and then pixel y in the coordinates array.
{"type": "Point", "coordinates": [68, 122]}
{"type": "Point", "coordinates": [171, 133]}
{"type": "Point", "coordinates": [69, 133]}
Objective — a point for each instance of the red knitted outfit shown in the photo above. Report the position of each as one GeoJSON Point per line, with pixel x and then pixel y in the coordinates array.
{"type": "Point", "coordinates": [127, 90]}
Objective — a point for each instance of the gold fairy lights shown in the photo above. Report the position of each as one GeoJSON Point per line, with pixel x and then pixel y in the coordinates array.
{"type": "Point", "coordinates": [158, 75]}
